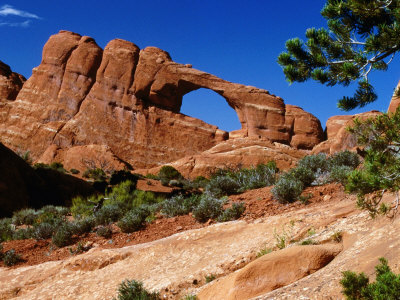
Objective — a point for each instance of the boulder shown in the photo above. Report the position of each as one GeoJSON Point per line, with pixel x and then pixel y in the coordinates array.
{"type": "Point", "coordinates": [270, 272]}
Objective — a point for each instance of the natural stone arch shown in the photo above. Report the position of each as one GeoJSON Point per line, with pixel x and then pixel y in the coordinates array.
{"type": "Point", "coordinates": [206, 105]}
{"type": "Point", "coordinates": [163, 83]}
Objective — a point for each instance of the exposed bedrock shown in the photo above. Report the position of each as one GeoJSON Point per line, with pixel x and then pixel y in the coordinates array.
{"type": "Point", "coordinates": [128, 100]}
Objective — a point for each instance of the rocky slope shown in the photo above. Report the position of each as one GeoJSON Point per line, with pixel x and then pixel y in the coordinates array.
{"type": "Point", "coordinates": [177, 265]}
{"type": "Point", "coordinates": [127, 101]}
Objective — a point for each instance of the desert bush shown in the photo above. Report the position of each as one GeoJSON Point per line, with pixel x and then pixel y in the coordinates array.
{"type": "Point", "coordinates": [232, 213]}
{"type": "Point", "coordinates": [200, 182]}
{"type": "Point", "coordinates": [190, 297]}
{"type": "Point", "coordinates": [74, 171]}
{"type": "Point", "coordinates": [104, 231]}
{"type": "Point", "coordinates": [340, 174]}
{"type": "Point", "coordinates": [6, 231]}
{"type": "Point", "coordinates": [23, 233]}
{"type": "Point", "coordinates": [143, 197]}
{"type": "Point", "coordinates": [11, 258]}
{"type": "Point", "coordinates": [223, 185]}
{"type": "Point", "coordinates": [51, 214]}
{"type": "Point", "coordinates": [287, 189]}
{"type": "Point", "coordinates": [96, 174]}
{"type": "Point", "coordinates": [133, 220]}
{"type": "Point", "coordinates": [58, 167]}
{"type": "Point", "coordinates": [179, 205]}
{"type": "Point", "coordinates": [306, 175]}
{"type": "Point", "coordinates": [168, 173]}
{"type": "Point", "coordinates": [82, 207]}
{"type": "Point", "coordinates": [134, 290]}
{"type": "Point", "coordinates": [345, 158]}
{"type": "Point", "coordinates": [83, 225]}
{"type": "Point", "coordinates": [62, 236]}
{"type": "Point", "coordinates": [43, 231]}
{"type": "Point", "coordinates": [314, 162]}
{"type": "Point", "coordinates": [357, 286]}
{"type": "Point", "coordinates": [25, 216]}
{"type": "Point", "coordinates": [255, 178]}
{"type": "Point", "coordinates": [209, 207]}
{"type": "Point", "coordinates": [109, 213]}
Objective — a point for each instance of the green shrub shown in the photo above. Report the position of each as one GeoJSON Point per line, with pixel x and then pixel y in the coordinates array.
{"type": "Point", "coordinates": [200, 182]}
{"type": "Point", "coordinates": [51, 214]}
{"type": "Point", "coordinates": [82, 207]}
{"type": "Point", "coordinates": [133, 220]}
{"type": "Point", "coordinates": [209, 207]}
{"type": "Point", "coordinates": [232, 213]}
{"type": "Point", "coordinates": [11, 258]}
{"type": "Point", "coordinates": [143, 197]}
{"type": "Point", "coordinates": [58, 167]}
{"type": "Point", "coordinates": [287, 189]}
{"type": "Point", "coordinates": [340, 174]}
{"type": "Point", "coordinates": [25, 216]}
{"type": "Point", "coordinates": [179, 205]}
{"type": "Point", "coordinates": [109, 213]}
{"type": "Point", "coordinates": [222, 185]}
{"type": "Point", "coordinates": [314, 162]}
{"type": "Point", "coordinates": [168, 173]}
{"type": "Point", "coordinates": [209, 278]}
{"type": "Point", "coordinates": [345, 158]}
{"type": "Point", "coordinates": [6, 231]}
{"type": "Point", "coordinates": [152, 176]}
{"type": "Point", "coordinates": [134, 290]}
{"type": "Point", "coordinates": [23, 233]}
{"type": "Point", "coordinates": [96, 174]}
{"type": "Point", "coordinates": [74, 171]}
{"type": "Point", "coordinates": [82, 226]}
{"type": "Point", "coordinates": [62, 236]}
{"type": "Point", "coordinates": [357, 286]}
{"type": "Point", "coordinates": [255, 178]}
{"type": "Point", "coordinates": [190, 297]}
{"type": "Point", "coordinates": [104, 231]}
{"type": "Point", "coordinates": [43, 231]}
{"type": "Point", "coordinates": [303, 174]}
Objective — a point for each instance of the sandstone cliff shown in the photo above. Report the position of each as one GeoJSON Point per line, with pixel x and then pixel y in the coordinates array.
{"type": "Point", "coordinates": [128, 100]}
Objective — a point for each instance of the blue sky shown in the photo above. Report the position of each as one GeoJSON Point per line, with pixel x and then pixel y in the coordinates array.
{"type": "Point", "coordinates": [236, 40]}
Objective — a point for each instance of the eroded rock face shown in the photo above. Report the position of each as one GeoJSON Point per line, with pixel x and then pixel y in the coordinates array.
{"type": "Point", "coordinates": [10, 82]}
{"type": "Point", "coordinates": [339, 138]}
{"type": "Point", "coordinates": [234, 153]}
{"type": "Point", "coordinates": [270, 272]}
{"type": "Point", "coordinates": [128, 101]}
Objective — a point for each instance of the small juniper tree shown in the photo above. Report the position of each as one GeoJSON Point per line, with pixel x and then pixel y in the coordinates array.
{"type": "Point", "coordinates": [380, 138]}
{"type": "Point", "coordinates": [362, 36]}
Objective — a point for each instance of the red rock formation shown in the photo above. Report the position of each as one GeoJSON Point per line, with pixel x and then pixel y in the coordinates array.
{"type": "Point", "coordinates": [128, 101]}
{"type": "Point", "coordinates": [338, 137]}
{"type": "Point", "coordinates": [10, 82]}
{"type": "Point", "coordinates": [395, 102]}
{"type": "Point", "coordinates": [234, 153]}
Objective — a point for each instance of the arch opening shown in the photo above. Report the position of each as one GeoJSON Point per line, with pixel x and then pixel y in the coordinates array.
{"type": "Point", "coordinates": [210, 107]}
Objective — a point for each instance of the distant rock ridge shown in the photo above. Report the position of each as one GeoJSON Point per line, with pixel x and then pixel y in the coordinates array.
{"type": "Point", "coordinates": [128, 101]}
{"type": "Point", "coordinates": [10, 82]}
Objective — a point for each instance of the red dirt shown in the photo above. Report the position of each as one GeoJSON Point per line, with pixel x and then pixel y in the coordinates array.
{"type": "Point", "coordinates": [259, 203]}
